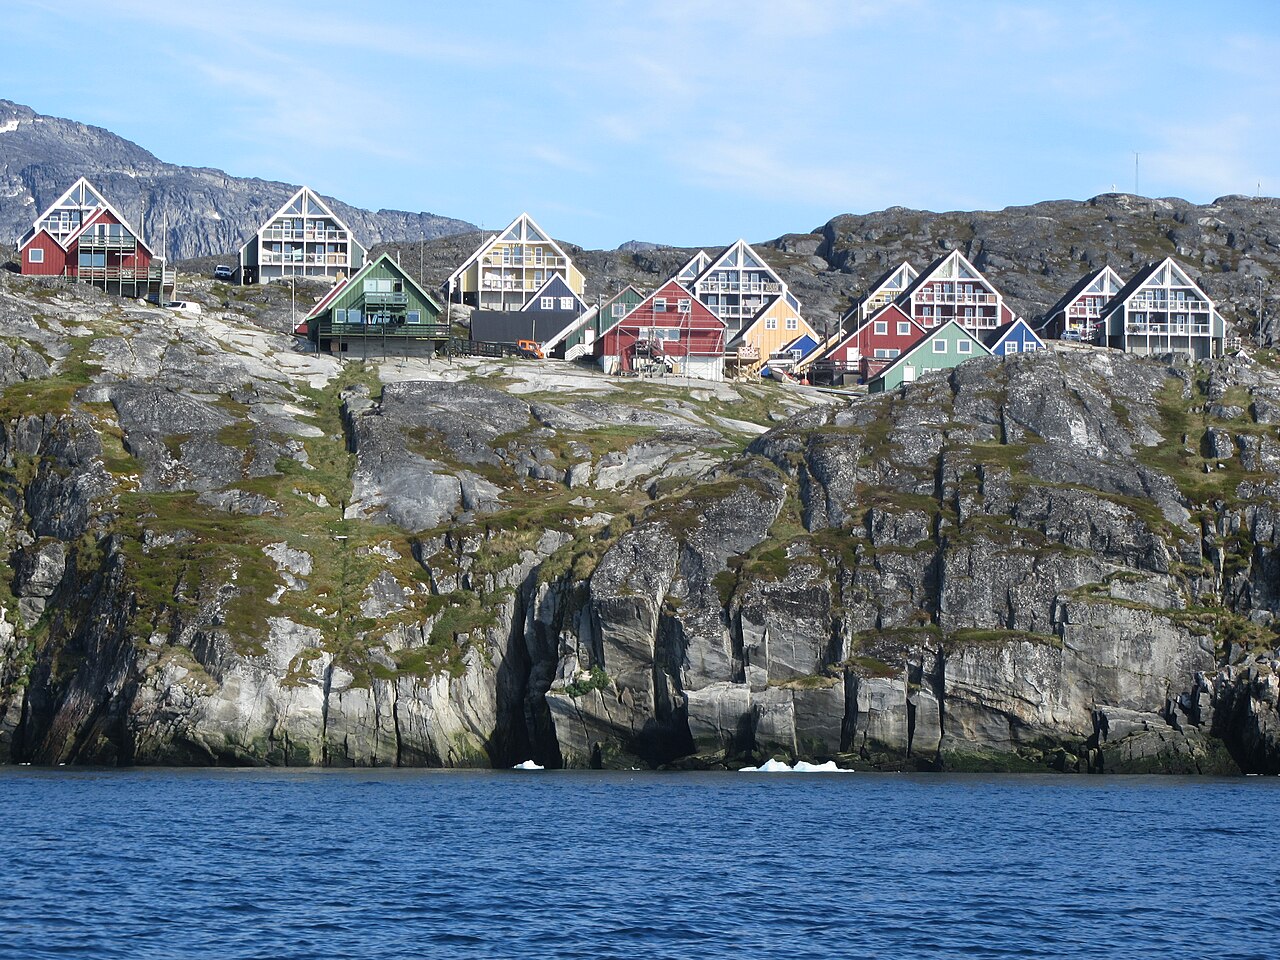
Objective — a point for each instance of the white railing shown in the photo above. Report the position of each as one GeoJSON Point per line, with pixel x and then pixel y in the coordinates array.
{"type": "Point", "coordinates": [720, 286]}
{"type": "Point", "coordinates": [930, 296]}
{"type": "Point", "coordinates": [1169, 329]}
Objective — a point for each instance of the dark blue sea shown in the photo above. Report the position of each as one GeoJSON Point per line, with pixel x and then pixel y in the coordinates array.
{"type": "Point", "coordinates": [329, 864]}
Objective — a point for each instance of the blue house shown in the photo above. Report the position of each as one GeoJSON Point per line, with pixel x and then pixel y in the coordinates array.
{"type": "Point", "coordinates": [555, 295]}
{"type": "Point", "coordinates": [1010, 338]}
{"type": "Point", "coordinates": [786, 357]}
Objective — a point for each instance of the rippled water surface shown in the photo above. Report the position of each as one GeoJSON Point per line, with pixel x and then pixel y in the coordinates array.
{"type": "Point", "coordinates": [239, 864]}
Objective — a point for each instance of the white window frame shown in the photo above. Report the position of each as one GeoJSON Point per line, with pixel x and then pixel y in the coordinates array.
{"type": "Point", "coordinates": [684, 305]}
{"type": "Point", "coordinates": [793, 323]}
{"type": "Point", "coordinates": [566, 303]}
{"type": "Point", "coordinates": [904, 328]}
{"type": "Point", "coordinates": [881, 328]}
{"type": "Point", "coordinates": [1010, 346]}
{"type": "Point", "coordinates": [619, 309]}
{"type": "Point", "coordinates": [939, 344]}
{"type": "Point", "coordinates": [548, 303]}
{"type": "Point", "coordinates": [660, 305]}
{"type": "Point", "coordinates": [771, 323]}
{"type": "Point", "coordinates": [1029, 347]}
{"type": "Point", "coordinates": [35, 255]}
{"type": "Point", "coordinates": [964, 346]}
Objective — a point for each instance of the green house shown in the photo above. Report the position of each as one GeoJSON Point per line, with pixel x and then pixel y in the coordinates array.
{"type": "Point", "coordinates": [941, 348]}
{"type": "Point", "coordinates": [380, 309]}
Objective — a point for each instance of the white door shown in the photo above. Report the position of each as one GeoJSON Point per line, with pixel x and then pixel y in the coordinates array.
{"type": "Point", "coordinates": [908, 374]}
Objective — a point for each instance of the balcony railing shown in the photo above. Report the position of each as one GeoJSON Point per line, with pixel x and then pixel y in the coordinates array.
{"type": "Point", "coordinates": [929, 296]}
{"type": "Point", "coordinates": [428, 331]}
{"type": "Point", "coordinates": [148, 274]}
{"type": "Point", "coordinates": [1170, 329]}
{"type": "Point", "coordinates": [720, 286]}
{"type": "Point", "coordinates": [385, 298]}
{"type": "Point", "coordinates": [524, 262]}
{"type": "Point", "coordinates": [97, 242]}
{"type": "Point", "coordinates": [325, 259]}
{"type": "Point", "coordinates": [275, 233]}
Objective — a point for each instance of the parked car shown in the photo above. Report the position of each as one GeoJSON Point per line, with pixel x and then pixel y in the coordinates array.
{"type": "Point", "coordinates": [184, 306]}
{"type": "Point", "coordinates": [222, 272]}
{"type": "Point", "coordinates": [1071, 335]}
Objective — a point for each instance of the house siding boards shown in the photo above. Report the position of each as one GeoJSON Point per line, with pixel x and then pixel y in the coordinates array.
{"type": "Point", "coordinates": [1162, 310]}
{"type": "Point", "coordinates": [611, 311]}
{"type": "Point", "coordinates": [377, 305]}
{"type": "Point", "coordinates": [559, 292]}
{"type": "Point", "coordinates": [952, 288]}
{"type": "Point", "coordinates": [304, 238]}
{"type": "Point", "coordinates": [42, 257]}
{"type": "Point", "coordinates": [696, 348]}
{"type": "Point", "coordinates": [775, 326]}
{"type": "Point", "coordinates": [940, 348]}
{"type": "Point", "coordinates": [1081, 308]}
{"type": "Point", "coordinates": [509, 267]}
{"type": "Point", "coordinates": [874, 344]}
{"type": "Point", "coordinates": [1013, 338]}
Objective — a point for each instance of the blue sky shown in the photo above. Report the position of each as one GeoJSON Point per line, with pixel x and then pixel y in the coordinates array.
{"type": "Point", "coordinates": [679, 121]}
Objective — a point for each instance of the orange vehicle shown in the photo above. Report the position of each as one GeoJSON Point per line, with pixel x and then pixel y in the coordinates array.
{"type": "Point", "coordinates": [530, 349]}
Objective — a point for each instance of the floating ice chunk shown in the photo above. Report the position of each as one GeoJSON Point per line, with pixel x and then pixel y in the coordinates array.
{"type": "Point", "coordinates": [769, 766]}
{"type": "Point", "coordinates": [803, 766]}
{"type": "Point", "coordinates": [528, 765]}
{"type": "Point", "coordinates": [828, 767]}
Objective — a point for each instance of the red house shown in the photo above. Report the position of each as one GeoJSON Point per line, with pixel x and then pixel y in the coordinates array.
{"type": "Point", "coordinates": [669, 332]}
{"type": "Point", "coordinates": [82, 237]}
{"type": "Point", "coordinates": [871, 347]}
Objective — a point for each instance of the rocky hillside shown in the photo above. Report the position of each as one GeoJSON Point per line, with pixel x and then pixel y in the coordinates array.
{"type": "Point", "coordinates": [220, 550]}
{"type": "Point", "coordinates": [206, 212]}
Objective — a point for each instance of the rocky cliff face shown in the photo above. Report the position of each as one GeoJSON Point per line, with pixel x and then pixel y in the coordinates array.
{"type": "Point", "coordinates": [220, 550]}
{"type": "Point", "coordinates": [184, 211]}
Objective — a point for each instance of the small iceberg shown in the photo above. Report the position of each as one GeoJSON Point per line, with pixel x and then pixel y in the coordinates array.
{"type": "Point", "coordinates": [528, 765]}
{"type": "Point", "coordinates": [803, 766]}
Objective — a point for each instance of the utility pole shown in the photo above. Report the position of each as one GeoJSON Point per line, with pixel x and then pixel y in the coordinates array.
{"type": "Point", "coordinates": [1260, 309]}
{"type": "Point", "coordinates": [1135, 173]}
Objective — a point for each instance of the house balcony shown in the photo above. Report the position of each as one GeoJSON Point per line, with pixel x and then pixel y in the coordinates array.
{"type": "Point", "coordinates": [332, 236]}
{"type": "Point", "coordinates": [396, 329]}
{"type": "Point", "coordinates": [94, 242]}
{"type": "Point", "coordinates": [385, 299]}
{"type": "Point", "coordinates": [1169, 329]}
{"type": "Point", "coordinates": [555, 263]}
{"type": "Point", "coordinates": [148, 274]}
{"type": "Point", "coordinates": [929, 296]}
{"type": "Point", "coordinates": [720, 286]}
{"type": "Point", "coordinates": [323, 259]}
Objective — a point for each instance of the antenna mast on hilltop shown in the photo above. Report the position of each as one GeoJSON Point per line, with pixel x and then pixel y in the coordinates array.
{"type": "Point", "coordinates": [1135, 173]}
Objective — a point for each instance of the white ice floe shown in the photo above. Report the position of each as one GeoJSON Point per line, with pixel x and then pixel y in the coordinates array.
{"type": "Point", "coordinates": [528, 765]}
{"type": "Point", "coordinates": [803, 766]}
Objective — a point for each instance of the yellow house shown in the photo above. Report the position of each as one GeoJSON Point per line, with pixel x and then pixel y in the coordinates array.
{"type": "Point", "coordinates": [509, 267]}
{"type": "Point", "coordinates": [777, 324]}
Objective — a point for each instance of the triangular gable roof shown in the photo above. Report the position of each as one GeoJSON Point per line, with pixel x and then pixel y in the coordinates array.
{"type": "Point", "coordinates": [928, 337]}
{"type": "Point", "coordinates": [304, 203]}
{"type": "Point", "coordinates": [950, 266]}
{"type": "Point", "coordinates": [796, 344]}
{"type": "Point", "coordinates": [739, 256]}
{"type": "Point", "coordinates": [993, 338]}
{"type": "Point", "coordinates": [522, 229]}
{"type": "Point", "coordinates": [98, 215]}
{"type": "Point", "coordinates": [895, 279]}
{"type": "Point", "coordinates": [693, 267]}
{"type": "Point", "coordinates": [360, 274]}
{"type": "Point", "coordinates": [890, 312]}
{"type": "Point", "coordinates": [1081, 286]}
{"type": "Point", "coordinates": [630, 286]}
{"type": "Point", "coordinates": [1147, 273]}
{"type": "Point", "coordinates": [668, 289]}
{"type": "Point", "coordinates": [78, 195]}
{"type": "Point", "coordinates": [553, 286]}
{"type": "Point", "coordinates": [759, 317]}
